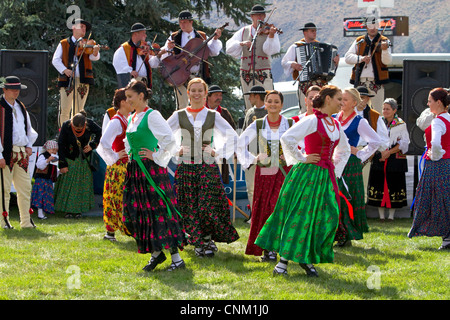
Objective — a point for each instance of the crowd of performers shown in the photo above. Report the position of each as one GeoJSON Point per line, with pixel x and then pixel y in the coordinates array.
{"type": "Point", "coordinates": [308, 178]}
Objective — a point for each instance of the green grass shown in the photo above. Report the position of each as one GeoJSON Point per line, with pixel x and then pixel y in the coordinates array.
{"type": "Point", "coordinates": [67, 259]}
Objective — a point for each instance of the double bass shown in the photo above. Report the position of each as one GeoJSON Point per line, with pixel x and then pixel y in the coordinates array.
{"type": "Point", "coordinates": [175, 69]}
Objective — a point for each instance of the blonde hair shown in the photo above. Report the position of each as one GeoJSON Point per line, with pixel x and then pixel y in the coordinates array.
{"type": "Point", "coordinates": [197, 80]}
{"type": "Point", "coordinates": [354, 93]}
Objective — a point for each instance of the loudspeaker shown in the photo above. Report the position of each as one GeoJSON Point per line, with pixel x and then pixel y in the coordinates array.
{"type": "Point", "coordinates": [419, 78]}
{"type": "Point", "coordinates": [31, 66]}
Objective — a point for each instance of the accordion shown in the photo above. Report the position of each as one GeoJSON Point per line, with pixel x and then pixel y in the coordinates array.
{"type": "Point", "coordinates": [321, 65]}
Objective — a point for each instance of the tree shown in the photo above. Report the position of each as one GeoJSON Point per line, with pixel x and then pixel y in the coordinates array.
{"type": "Point", "coordinates": [41, 24]}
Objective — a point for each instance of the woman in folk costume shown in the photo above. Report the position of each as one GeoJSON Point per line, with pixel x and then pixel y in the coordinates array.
{"type": "Point", "coordinates": [74, 189]}
{"type": "Point", "coordinates": [271, 166]}
{"type": "Point", "coordinates": [149, 205]}
{"type": "Point", "coordinates": [387, 180]}
{"type": "Point", "coordinates": [353, 219]}
{"type": "Point", "coordinates": [44, 176]}
{"type": "Point", "coordinates": [304, 221]}
{"type": "Point", "coordinates": [205, 138]}
{"type": "Point", "coordinates": [112, 150]}
{"type": "Point", "coordinates": [432, 202]}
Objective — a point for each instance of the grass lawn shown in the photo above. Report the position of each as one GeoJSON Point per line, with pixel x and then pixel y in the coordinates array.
{"type": "Point", "coordinates": [68, 259]}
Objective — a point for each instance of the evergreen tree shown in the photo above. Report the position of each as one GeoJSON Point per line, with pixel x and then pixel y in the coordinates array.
{"type": "Point", "coordinates": [42, 24]}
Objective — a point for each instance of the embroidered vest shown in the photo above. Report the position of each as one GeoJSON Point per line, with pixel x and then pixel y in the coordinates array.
{"type": "Point", "coordinates": [131, 53]}
{"type": "Point", "coordinates": [50, 171]}
{"type": "Point", "coordinates": [380, 70]}
{"type": "Point", "coordinates": [188, 135]}
{"type": "Point", "coordinates": [257, 55]}
{"type": "Point", "coordinates": [6, 127]}
{"type": "Point", "coordinates": [142, 137]}
{"type": "Point", "coordinates": [445, 139]}
{"type": "Point", "coordinates": [85, 65]}
{"type": "Point", "coordinates": [266, 146]}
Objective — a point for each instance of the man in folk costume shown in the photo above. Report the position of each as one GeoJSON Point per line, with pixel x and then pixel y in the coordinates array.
{"type": "Point", "coordinates": [370, 54]}
{"type": "Point", "coordinates": [129, 62]}
{"type": "Point", "coordinates": [256, 97]}
{"type": "Point", "coordinates": [17, 138]}
{"type": "Point", "coordinates": [178, 40]}
{"type": "Point", "coordinates": [376, 122]}
{"type": "Point", "coordinates": [255, 66]}
{"type": "Point", "coordinates": [213, 102]}
{"type": "Point", "coordinates": [65, 59]}
{"type": "Point", "coordinates": [293, 67]}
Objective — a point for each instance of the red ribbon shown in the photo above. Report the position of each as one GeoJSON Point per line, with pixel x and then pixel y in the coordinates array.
{"type": "Point", "coordinates": [386, 198]}
{"type": "Point", "coordinates": [349, 205]}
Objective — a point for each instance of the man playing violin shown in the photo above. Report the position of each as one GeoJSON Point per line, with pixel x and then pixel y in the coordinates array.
{"type": "Point", "coordinates": [370, 54]}
{"type": "Point", "coordinates": [64, 60]}
{"type": "Point", "coordinates": [255, 66]}
{"type": "Point", "coordinates": [178, 40]}
{"type": "Point", "coordinates": [292, 66]}
{"type": "Point", "coordinates": [133, 58]}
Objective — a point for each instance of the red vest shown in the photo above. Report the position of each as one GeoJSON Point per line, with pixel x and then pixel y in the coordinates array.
{"type": "Point", "coordinates": [445, 139]}
{"type": "Point", "coordinates": [118, 143]}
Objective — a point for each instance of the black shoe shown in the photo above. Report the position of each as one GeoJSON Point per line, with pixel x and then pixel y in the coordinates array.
{"type": "Point", "coordinates": [344, 243]}
{"type": "Point", "coordinates": [310, 271]}
{"type": "Point", "coordinates": [154, 262]}
{"type": "Point", "coordinates": [178, 265]}
{"type": "Point", "coordinates": [446, 247]}
{"type": "Point", "coordinates": [276, 272]}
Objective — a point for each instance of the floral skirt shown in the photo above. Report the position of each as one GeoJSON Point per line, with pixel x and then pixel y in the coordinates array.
{"type": "Point", "coordinates": [267, 189]}
{"type": "Point", "coordinates": [74, 190]}
{"type": "Point", "coordinates": [42, 195]}
{"type": "Point", "coordinates": [304, 221]}
{"type": "Point", "coordinates": [203, 204]}
{"type": "Point", "coordinates": [354, 191]}
{"type": "Point", "coordinates": [432, 202]}
{"type": "Point", "coordinates": [154, 225]}
{"type": "Point", "coordinates": [113, 196]}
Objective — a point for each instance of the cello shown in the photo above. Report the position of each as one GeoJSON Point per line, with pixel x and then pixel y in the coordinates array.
{"type": "Point", "coordinates": [175, 69]}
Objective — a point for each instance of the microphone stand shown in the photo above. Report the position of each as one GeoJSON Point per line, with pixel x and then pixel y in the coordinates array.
{"type": "Point", "coordinates": [304, 67]}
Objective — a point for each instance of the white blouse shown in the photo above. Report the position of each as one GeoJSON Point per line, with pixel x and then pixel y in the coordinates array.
{"type": "Point", "coordinates": [381, 131]}
{"type": "Point", "coordinates": [246, 157]}
{"type": "Point", "coordinates": [162, 132]}
{"type": "Point", "coordinates": [104, 149]}
{"type": "Point", "coordinates": [294, 136]}
{"type": "Point", "coordinates": [438, 129]}
{"type": "Point", "coordinates": [369, 135]}
{"type": "Point", "coordinates": [225, 137]}
{"type": "Point", "coordinates": [399, 134]}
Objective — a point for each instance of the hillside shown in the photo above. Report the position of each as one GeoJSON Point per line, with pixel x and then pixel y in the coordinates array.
{"type": "Point", "coordinates": [428, 31]}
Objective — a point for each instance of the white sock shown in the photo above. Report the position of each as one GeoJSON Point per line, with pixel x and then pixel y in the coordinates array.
{"type": "Point", "coordinates": [381, 212]}
{"type": "Point", "coordinates": [155, 254]}
{"type": "Point", "coordinates": [391, 213]}
{"type": "Point", "coordinates": [176, 258]}
{"type": "Point", "coordinates": [281, 265]}
{"type": "Point", "coordinates": [41, 213]}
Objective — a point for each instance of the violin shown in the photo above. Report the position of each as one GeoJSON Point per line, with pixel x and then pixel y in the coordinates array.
{"type": "Point", "coordinates": [87, 47]}
{"type": "Point", "coordinates": [265, 28]}
{"type": "Point", "coordinates": [147, 48]}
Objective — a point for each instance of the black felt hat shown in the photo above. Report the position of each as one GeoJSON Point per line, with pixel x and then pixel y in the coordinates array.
{"type": "Point", "coordinates": [12, 82]}
{"type": "Point", "coordinates": [257, 89]}
{"type": "Point", "coordinates": [363, 91]}
{"type": "Point", "coordinates": [139, 27]}
{"type": "Point", "coordinates": [215, 88]}
{"type": "Point", "coordinates": [87, 24]}
{"type": "Point", "coordinates": [258, 9]}
{"type": "Point", "coordinates": [185, 15]}
{"type": "Point", "coordinates": [308, 26]}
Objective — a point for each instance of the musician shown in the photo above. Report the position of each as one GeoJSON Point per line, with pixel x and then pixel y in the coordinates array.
{"type": "Point", "coordinates": [17, 138]}
{"type": "Point", "coordinates": [292, 66]}
{"type": "Point", "coordinates": [372, 70]}
{"type": "Point", "coordinates": [129, 62]}
{"type": "Point", "coordinates": [213, 101]}
{"type": "Point", "coordinates": [64, 60]}
{"type": "Point", "coordinates": [255, 66]}
{"type": "Point", "coordinates": [179, 40]}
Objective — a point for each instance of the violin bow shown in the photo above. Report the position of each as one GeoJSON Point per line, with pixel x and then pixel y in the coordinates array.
{"type": "Point", "coordinates": [193, 55]}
